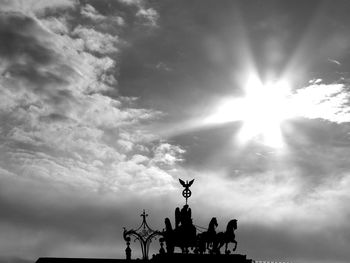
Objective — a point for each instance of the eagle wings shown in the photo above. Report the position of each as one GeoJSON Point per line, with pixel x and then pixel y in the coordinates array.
{"type": "Point", "coordinates": [187, 184]}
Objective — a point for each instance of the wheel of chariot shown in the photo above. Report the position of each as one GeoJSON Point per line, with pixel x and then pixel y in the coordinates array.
{"type": "Point", "coordinates": [186, 193]}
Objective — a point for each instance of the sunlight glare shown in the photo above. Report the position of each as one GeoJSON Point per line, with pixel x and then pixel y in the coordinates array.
{"type": "Point", "coordinates": [262, 111]}
{"type": "Point", "coordinates": [266, 107]}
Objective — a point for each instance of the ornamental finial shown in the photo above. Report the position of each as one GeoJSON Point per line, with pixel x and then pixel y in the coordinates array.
{"type": "Point", "coordinates": [186, 192]}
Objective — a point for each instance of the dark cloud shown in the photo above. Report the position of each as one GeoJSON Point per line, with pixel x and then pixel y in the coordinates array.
{"type": "Point", "coordinates": [63, 214]}
{"type": "Point", "coordinates": [319, 148]}
{"type": "Point", "coordinates": [35, 77]}
{"type": "Point", "coordinates": [30, 59]}
{"type": "Point", "coordinates": [19, 40]}
{"type": "Point", "coordinates": [55, 117]}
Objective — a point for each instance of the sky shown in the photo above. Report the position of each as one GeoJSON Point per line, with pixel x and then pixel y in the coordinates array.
{"type": "Point", "coordinates": [105, 104]}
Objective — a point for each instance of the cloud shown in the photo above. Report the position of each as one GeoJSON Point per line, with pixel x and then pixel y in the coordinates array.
{"type": "Point", "coordinates": [90, 12]}
{"type": "Point", "coordinates": [69, 143]}
{"type": "Point", "coordinates": [23, 34]}
{"type": "Point", "coordinates": [102, 43]}
{"type": "Point", "coordinates": [50, 219]}
{"type": "Point", "coordinates": [132, 2]}
{"type": "Point", "coordinates": [285, 193]}
{"type": "Point", "coordinates": [57, 25]}
{"type": "Point", "coordinates": [59, 126]}
{"type": "Point", "coordinates": [78, 162]}
{"type": "Point", "coordinates": [162, 66]}
{"type": "Point", "coordinates": [280, 216]}
{"type": "Point", "coordinates": [323, 101]}
{"type": "Point", "coordinates": [167, 155]}
{"type": "Point", "coordinates": [34, 6]}
{"type": "Point", "coordinates": [334, 61]}
{"type": "Point", "coordinates": [148, 16]}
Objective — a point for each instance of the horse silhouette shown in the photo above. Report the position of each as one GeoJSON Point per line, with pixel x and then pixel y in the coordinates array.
{"type": "Point", "coordinates": [206, 239]}
{"type": "Point", "coordinates": [224, 238]}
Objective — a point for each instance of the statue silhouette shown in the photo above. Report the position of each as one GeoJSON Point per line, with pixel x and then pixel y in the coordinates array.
{"type": "Point", "coordinates": [177, 217]}
{"type": "Point", "coordinates": [184, 234]}
{"type": "Point", "coordinates": [185, 215]}
{"type": "Point", "coordinates": [169, 236]}
{"type": "Point", "coordinates": [128, 251]}
{"type": "Point", "coordinates": [206, 239]}
{"type": "Point", "coordinates": [224, 238]}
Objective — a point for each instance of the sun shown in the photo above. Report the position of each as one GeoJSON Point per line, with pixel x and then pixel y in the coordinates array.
{"type": "Point", "coordinates": [263, 108]}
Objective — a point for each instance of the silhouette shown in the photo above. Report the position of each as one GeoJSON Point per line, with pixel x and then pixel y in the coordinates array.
{"type": "Point", "coordinates": [169, 236]}
{"type": "Point", "coordinates": [184, 234]}
{"type": "Point", "coordinates": [177, 217]}
{"type": "Point", "coordinates": [128, 251]}
{"type": "Point", "coordinates": [187, 184]}
{"type": "Point", "coordinates": [224, 238]}
{"type": "Point", "coordinates": [201, 247]}
{"type": "Point", "coordinates": [186, 192]}
{"type": "Point", "coordinates": [185, 215]}
{"type": "Point", "coordinates": [144, 234]}
{"type": "Point", "coordinates": [206, 239]}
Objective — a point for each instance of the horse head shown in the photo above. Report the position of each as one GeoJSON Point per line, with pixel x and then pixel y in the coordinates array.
{"type": "Point", "coordinates": [232, 225]}
{"type": "Point", "coordinates": [213, 223]}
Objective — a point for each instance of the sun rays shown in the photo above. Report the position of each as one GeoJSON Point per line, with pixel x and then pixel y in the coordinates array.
{"type": "Point", "coordinates": [262, 110]}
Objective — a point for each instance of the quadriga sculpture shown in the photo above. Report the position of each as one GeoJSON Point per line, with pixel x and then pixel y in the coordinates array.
{"type": "Point", "coordinates": [184, 235]}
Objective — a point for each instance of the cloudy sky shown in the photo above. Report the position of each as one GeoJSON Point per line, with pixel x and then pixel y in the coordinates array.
{"type": "Point", "coordinates": [104, 104]}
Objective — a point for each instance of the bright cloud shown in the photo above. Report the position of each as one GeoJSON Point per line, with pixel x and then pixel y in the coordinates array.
{"type": "Point", "coordinates": [96, 41]}
{"type": "Point", "coordinates": [59, 125]}
{"type": "Point", "coordinates": [150, 16]}
{"type": "Point", "coordinates": [323, 101]}
{"type": "Point", "coordinates": [90, 12]}
{"type": "Point", "coordinates": [35, 6]}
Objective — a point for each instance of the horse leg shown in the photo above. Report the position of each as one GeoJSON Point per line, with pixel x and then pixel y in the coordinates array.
{"type": "Point", "coordinates": [210, 245]}
{"type": "Point", "coordinates": [203, 245]}
{"type": "Point", "coordinates": [213, 247]}
{"type": "Point", "coordinates": [218, 247]}
{"type": "Point", "coordinates": [200, 247]}
{"type": "Point", "coordinates": [234, 249]}
{"type": "Point", "coordinates": [207, 241]}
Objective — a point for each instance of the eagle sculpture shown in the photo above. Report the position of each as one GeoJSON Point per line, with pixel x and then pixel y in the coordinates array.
{"type": "Point", "coordinates": [187, 184]}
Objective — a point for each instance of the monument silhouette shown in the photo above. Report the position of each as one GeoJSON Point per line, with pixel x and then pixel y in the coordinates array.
{"type": "Point", "coordinates": [194, 243]}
